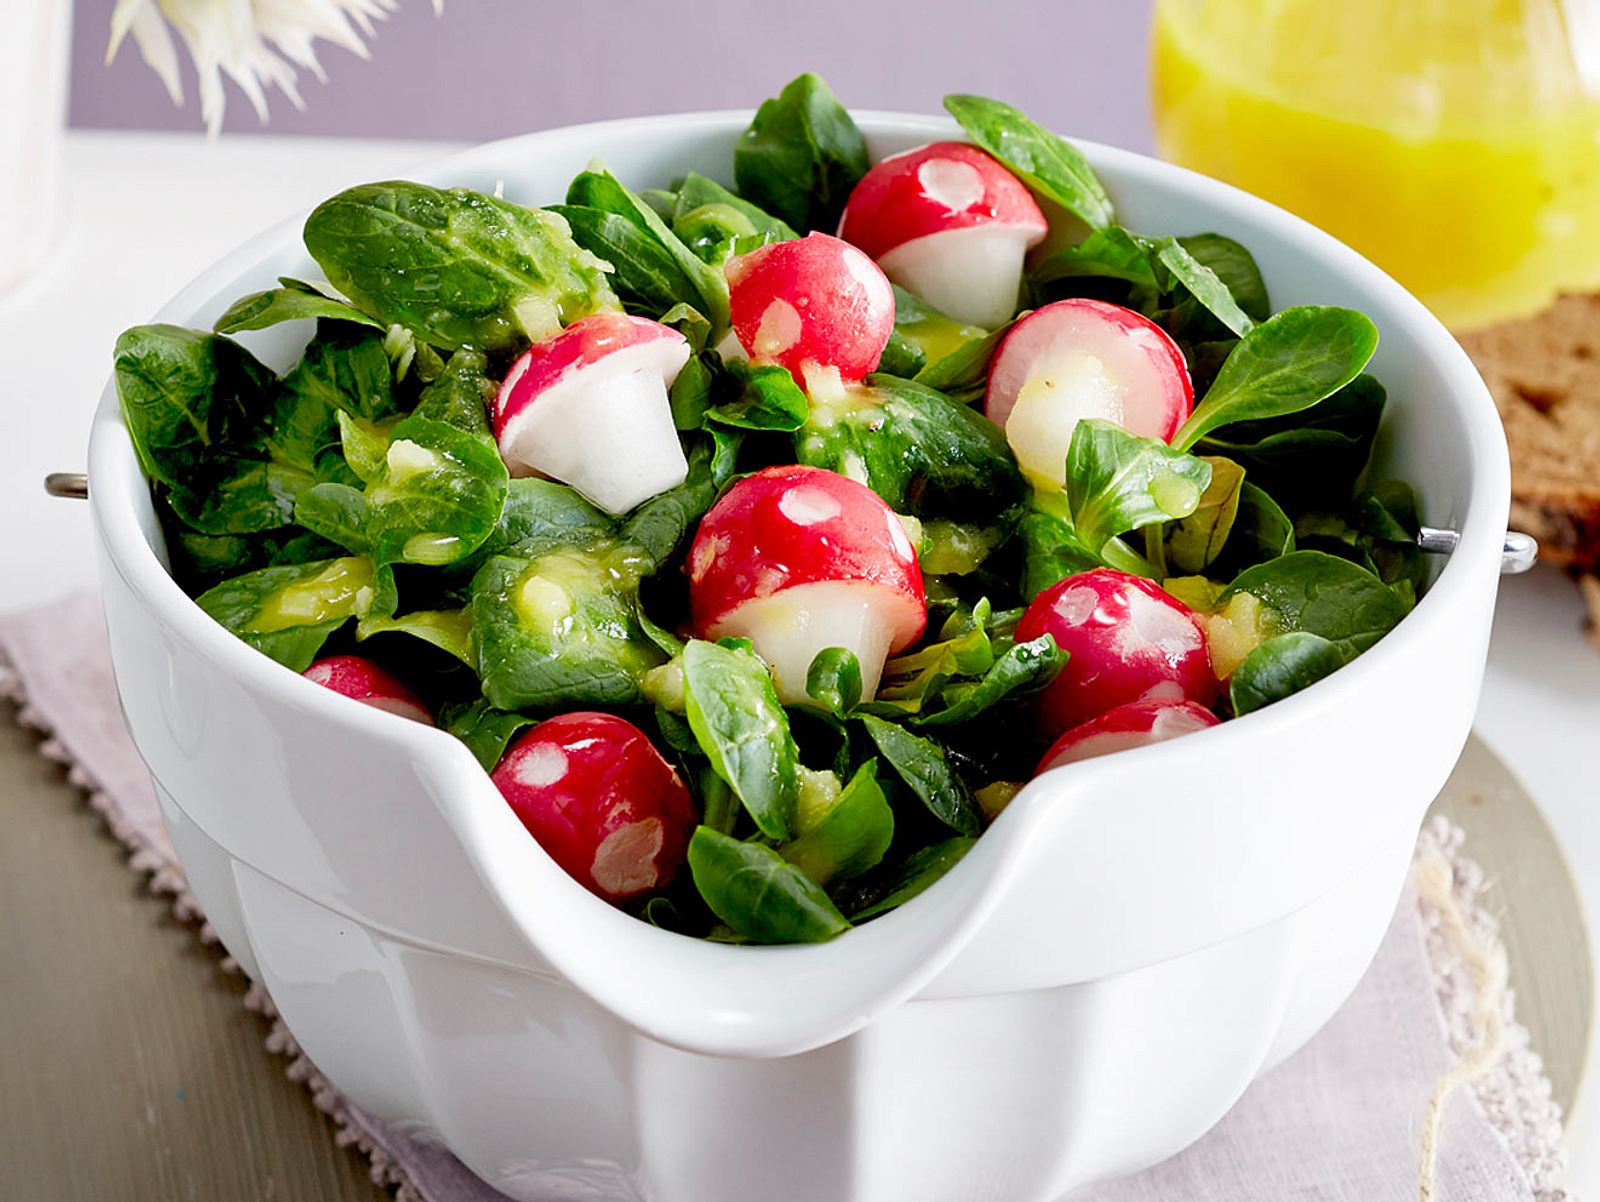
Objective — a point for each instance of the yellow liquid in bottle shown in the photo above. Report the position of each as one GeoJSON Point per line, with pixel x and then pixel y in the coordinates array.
{"type": "Point", "coordinates": [1454, 142]}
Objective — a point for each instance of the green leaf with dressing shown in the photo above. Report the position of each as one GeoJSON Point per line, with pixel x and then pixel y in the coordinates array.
{"type": "Point", "coordinates": [743, 730]}
{"type": "Point", "coordinates": [801, 156]}
{"type": "Point", "coordinates": [1284, 365]}
{"type": "Point", "coordinates": [1046, 162]}
{"type": "Point", "coordinates": [922, 765]}
{"type": "Point", "coordinates": [457, 267]}
{"type": "Point", "coordinates": [758, 893]}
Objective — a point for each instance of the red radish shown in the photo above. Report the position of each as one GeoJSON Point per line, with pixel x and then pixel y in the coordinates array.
{"type": "Point", "coordinates": [362, 680]}
{"type": "Point", "coordinates": [601, 801]}
{"type": "Point", "coordinates": [799, 559]}
{"type": "Point", "coordinates": [589, 407]}
{"type": "Point", "coordinates": [811, 304]}
{"type": "Point", "coordinates": [948, 222]}
{"type": "Point", "coordinates": [1083, 358]}
{"type": "Point", "coordinates": [1127, 641]}
{"type": "Point", "coordinates": [1137, 724]}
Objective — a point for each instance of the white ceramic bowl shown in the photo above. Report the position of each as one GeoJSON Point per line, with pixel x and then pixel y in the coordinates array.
{"type": "Point", "coordinates": [1133, 942]}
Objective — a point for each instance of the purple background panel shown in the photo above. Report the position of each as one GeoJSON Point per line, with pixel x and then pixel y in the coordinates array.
{"type": "Point", "coordinates": [491, 68]}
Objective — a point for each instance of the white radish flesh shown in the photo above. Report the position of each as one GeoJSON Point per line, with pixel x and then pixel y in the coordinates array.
{"type": "Point", "coordinates": [972, 275]}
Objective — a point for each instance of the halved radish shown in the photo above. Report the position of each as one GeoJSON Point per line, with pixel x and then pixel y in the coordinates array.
{"type": "Point", "coordinates": [589, 407]}
{"type": "Point", "coordinates": [1127, 641]}
{"type": "Point", "coordinates": [951, 224]}
{"type": "Point", "coordinates": [1137, 724]}
{"type": "Point", "coordinates": [1083, 358]}
{"type": "Point", "coordinates": [799, 559]}
{"type": "Point", "coordinates": [811, 304]}
{"type": "Point", "coordinates": [364, 681]}
{"type": "Point", "coordinates": [601, 801]}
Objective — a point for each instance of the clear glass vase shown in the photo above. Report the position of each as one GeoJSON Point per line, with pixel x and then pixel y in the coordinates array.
{"type": "Point", "coordinates": [1455, 142]}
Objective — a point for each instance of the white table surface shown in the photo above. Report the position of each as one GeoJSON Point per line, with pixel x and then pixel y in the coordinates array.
{"type": "Point", "coordinates": [146, 212]}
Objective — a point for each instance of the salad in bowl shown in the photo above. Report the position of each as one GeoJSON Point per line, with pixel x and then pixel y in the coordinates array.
{"type": "Point", "coordinates": [762, 541]}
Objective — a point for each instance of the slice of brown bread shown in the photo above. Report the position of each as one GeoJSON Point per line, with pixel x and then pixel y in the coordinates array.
{"type": "Point", "coordinates": [1544, 372]}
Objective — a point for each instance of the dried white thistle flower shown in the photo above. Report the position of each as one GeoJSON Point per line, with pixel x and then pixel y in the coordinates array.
{"type": "Point", "coordinates": [258, 44]}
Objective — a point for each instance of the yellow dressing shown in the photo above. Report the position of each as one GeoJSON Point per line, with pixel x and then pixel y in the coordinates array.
{"type": "Point", "coordinates": [341, 590]}
{"type": "Point", "coordinates": [1452, 141]}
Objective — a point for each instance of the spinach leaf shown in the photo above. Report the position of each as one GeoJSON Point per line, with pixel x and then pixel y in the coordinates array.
{"type": "Point", "coordinates": [288, 611]}
{"type": "Point", "coordinates": [1261, 531]}
{"type": "Point", "coordinates": [647, 279]}
{"type": "Point", "coordinates": [1313, 458]}
{"type": "Point", "coordinates": [1281, 666]}
{"type": "Point", "coordinates": [834, 680]}
{"type": "Point", "coordinates": [1023, 668]}
{"type": "Point", "coordinates": [921, 869]}
{"type": "Point", "coordinates": [768, 399]}
{"type": "Point", "coordinates": [922, 452]}
{"type": "Point", "coordinates": [542, 513]}
{"type": "Point", "coordinates": [199, 410]}
{"type": "Point", "coordinates": [1109, 253]}
{"type": "Point", "coordinates": [1191, 543]}
{"type": "Point", "coordinates": [912, 681]}
{"type": "Point", "coordinates": [457, 267]}
{"type": "Point", "coordinates": [760, 894]}
{"type": "Point", "coordinates": [743, 730]}
{"type": "Point", "coordinates": [345, 367]}
{"type": "Point", "coordinates": [963, 373]}
{"type": "Point", "coordinates": [444, 484]}
{"type": "Point", "coordinates": [661, 524]}
{"type": "Point", "coordinates": [717, 224]}
{"type": "Point", "coordinates": [1236, 267]}
{"type": "Point", "coordinates": [291, 301]}
{"type": "Point", "coordinates": [801, 156]}
{"type": "Point", "coordinates": [1045, 161]}
{"type": "Point", "coordinates": [559, 626]}
{"type": "Point", "coordinates": [1325, 595]}
{"type": "Point", "coordinates": [851, 837]}
{"type": "Point", "coordinates": [1286, 364]}
{"type": "Point", "coordinates": [336, 512]}
{"type": "Point", "coordinates": [602, 190]}
{"type": "Point", "coordinates": [486, 731]}
{"type": "Point", "coordinates": [450, 630]}
{"type": "Point", "coordinates": [901, 356]}
{"type": "Point", "coordinates": [925, 334]}
{"type": "Point", "coordinates": [1202, 284]}
{"type": "Point", "coordinates": [921, 763]}
{"type": "Point", "coordinates": [1118, 482]}
{"type": "Point", "coordinates": [1051, 551]}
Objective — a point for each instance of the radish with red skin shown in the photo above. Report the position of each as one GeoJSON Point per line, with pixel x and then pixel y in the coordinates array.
{"type": "Point", "coordinates": [810, 304]}
{"type": "Point", "coordinates": [1083, 358]}
{"type": "Point", "coordinates": [600, 383]}
{"type": "Point", "coordinates": [362, 680]}
{"type": "Point", "coordinates": [948, 222]}
{"type": "Point", "coordinates": [1136, 724]}
{"type": "Point", "coordinates": [1126, 639]}
{"type": "Point", "coordinates": [799, 559]}
{"type": "Point", "coordinates": [601, 800]}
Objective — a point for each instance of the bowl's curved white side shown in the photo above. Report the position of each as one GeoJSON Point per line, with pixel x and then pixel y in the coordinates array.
{"type": "Point", "coordinates": [437, 964]}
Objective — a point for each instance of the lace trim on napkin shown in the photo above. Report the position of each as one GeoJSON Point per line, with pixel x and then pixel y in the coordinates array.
{"type": "Point", "coordinates": [1477, 1007]}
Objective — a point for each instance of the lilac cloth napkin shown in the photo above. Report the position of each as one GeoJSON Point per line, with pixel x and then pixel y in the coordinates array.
{"type": "Point", "coordinates": [1345, 1120]}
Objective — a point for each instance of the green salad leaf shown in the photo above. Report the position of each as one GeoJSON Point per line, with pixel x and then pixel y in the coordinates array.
{"type": "Point", "coordinates": [1312, 591]}
{"type": "Point", "coordinates": [289, 610]}
{"type": "Point", "coordinates": [1286, 364]}
{"type": "Point", "coordinates": [559, 626]}
{"type": "Point", "coordinates": [920, 870]}
{"type": "Point", "coordinates": [292, 300]}
{"type": "Point", "coordinates": [457, 267]}
{"type": "Point", "coordinates": [922, 452]}
{"type": "Point", "coordinates": [743, 730]}
{"type": "Point", "coordinates": [1047, 162]}
{"type": "Point", "coordinates": [851, 837]}
{"type": "Point", "coordinates": [1282, 666]}
{"type": "Point", "coordinates": [758, 893]}
{"type": "Point", "coordinates": [921, 763]}
{"type": "Point", "coordinates": [486, 731]}
{"type": "Point", "coordinates": [801, 156]}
